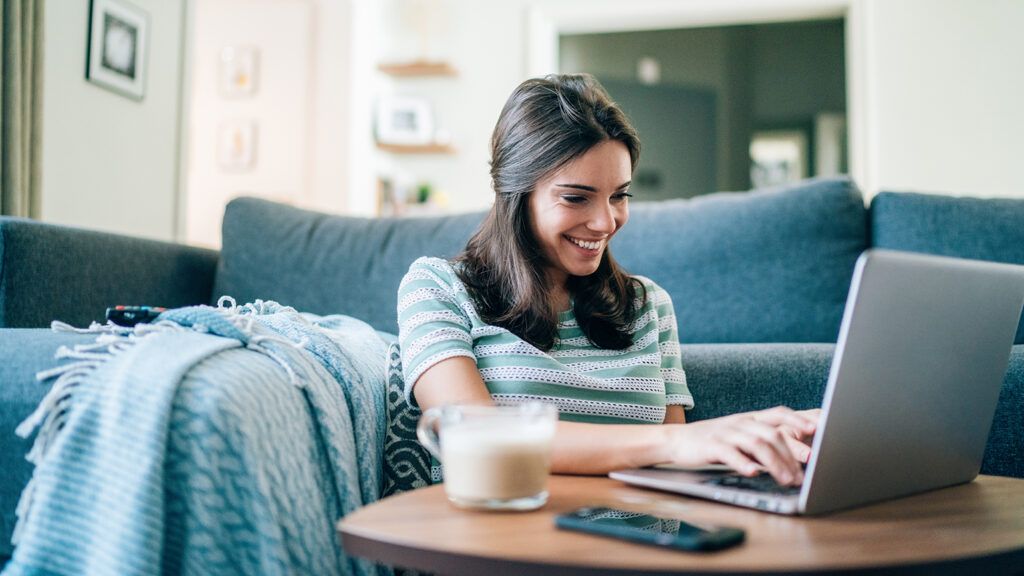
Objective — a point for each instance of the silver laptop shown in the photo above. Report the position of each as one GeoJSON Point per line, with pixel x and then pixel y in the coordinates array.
{"type": "Point", "coordinates": [922, 352]}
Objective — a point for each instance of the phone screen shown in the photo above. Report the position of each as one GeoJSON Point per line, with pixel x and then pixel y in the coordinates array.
{"type": "Point", "coordinates": [649, 529]}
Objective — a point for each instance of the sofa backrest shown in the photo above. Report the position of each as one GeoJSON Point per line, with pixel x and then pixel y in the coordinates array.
{"type": "Point", "coordinates": [770, 266]}
{"type": "Point", "coordinates": [328, 264]}
{"type": "Point", "coordinates": [53, 272]}
{"type": "Point", "coordinates": [762, 266]}
{"type": "Point", "coordinates": [981, 229]}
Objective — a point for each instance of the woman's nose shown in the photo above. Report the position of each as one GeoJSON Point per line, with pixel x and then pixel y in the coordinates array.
{"type": "Point", "coordinates": [603, 219]}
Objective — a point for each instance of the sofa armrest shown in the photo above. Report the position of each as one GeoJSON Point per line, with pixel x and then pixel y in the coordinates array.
{"type": "Point", "coordinates": [23, 353]}
{"type": "Point", "coordinates": [50, 272]}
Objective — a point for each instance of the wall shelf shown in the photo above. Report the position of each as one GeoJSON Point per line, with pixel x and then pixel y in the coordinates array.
{"type": "Point", "coordinates": [416, 148]}
{"type": "Point", "coordinates": [418, 68]}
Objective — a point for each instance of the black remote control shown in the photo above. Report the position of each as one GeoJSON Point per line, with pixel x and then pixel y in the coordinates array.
{"type": "Point", "coordinates": [132, 315]}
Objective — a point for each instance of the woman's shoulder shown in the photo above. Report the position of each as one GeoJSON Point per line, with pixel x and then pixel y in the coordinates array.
{"type": "Point", "coordinates": [434, 264]}
{"type": "Point", "coordinates": [432, 269]}
{"type": "Point", "coordinates": [648, 284]}
{"type": "Point", "coordinates": [654, 294]}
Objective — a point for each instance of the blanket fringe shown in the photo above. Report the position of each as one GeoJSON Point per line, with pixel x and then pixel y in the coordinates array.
{"type": "Point", "coordinates": [50, 416]}
{"type": "Point", "coordinates": [244, 318]}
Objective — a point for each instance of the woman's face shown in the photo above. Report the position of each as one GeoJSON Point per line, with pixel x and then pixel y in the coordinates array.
{"type": "Point", "coordinates": [576, 210]}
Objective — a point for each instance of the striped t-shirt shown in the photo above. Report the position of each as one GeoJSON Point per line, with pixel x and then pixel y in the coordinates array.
{"type": "Point", "coordinates": [438, 320]}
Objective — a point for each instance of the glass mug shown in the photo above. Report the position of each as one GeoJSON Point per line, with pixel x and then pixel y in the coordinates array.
{"type": "Point", "coordinates": [494, 457]}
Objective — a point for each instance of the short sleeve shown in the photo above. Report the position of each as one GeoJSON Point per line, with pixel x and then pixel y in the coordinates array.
{"type": "Point", "coordinates": [432, 326]}
{"type": "Point", "coordinates": [676, 391]}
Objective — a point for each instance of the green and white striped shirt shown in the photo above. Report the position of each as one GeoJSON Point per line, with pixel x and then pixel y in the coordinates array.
{"type": "Point", "coordinates": [438, 320]}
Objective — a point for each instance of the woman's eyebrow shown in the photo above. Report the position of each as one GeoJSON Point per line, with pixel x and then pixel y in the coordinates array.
{"type": "Point", "coordinates": [586, 188]}
{"type": "Point", "coordinates": [578, 187]}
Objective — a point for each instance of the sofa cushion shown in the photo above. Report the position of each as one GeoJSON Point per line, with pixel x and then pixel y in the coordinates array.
{"type": "Point", "coordinates": [1004, 453]}
{"type": "Point", "coordinates": [730, 378]}
{"type": "Point", "coordinates": [982, 229]}
{"type": "Point", "coordinates": [763, 266]}
{"type": "Point", "coordinates": [328, 264]}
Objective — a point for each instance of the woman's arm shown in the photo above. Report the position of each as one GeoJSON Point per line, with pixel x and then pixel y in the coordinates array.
{"type": "Point", "coordinates": [675, 415]}
{"type": "Point", "coordinates": [747, 442]}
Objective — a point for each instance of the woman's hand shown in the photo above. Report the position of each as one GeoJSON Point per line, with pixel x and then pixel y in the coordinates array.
{"type": "Point", "coordinates": [799, 438]}
{"type": "Point", "coordinates": [772, 440]}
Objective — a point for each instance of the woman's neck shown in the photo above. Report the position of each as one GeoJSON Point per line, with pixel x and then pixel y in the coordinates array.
{"type": "Point", "coordinates": [560, 299]}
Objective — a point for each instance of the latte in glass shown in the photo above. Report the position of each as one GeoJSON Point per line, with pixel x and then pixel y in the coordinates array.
{"type": "Point", "coordinates": [494, 457]}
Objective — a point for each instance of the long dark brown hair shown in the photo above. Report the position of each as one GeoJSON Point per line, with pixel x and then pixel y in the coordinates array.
{"type": "Point", "coordinates": [546, 123]}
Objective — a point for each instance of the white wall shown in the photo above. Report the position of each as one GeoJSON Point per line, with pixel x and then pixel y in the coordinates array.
{"type": "Point", "coordinates": [109, 162]}
{"type": "Point", "coordinates": [299, 108]}
{"type": "Point", "coordinates": [945, 93]}
{"type": "Point", "coordinates": [330, 102]}
{"type": "Point", "coordinates": [278, 108]}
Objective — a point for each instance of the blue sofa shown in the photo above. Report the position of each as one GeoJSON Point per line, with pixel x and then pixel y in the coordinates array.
{"type": "Point", "coordinates": [759, 281]}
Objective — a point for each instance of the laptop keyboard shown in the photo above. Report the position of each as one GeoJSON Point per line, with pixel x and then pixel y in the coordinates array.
{"type": "Point", "coordinates": [762, 483]}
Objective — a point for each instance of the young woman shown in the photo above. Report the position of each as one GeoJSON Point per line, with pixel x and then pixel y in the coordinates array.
{"type": "Point", "coordinates": [536, 308]}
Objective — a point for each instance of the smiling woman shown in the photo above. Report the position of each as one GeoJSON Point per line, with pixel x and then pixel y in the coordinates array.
{"type": "Point", "coordinates": [536, 309]}
{"type": "Point", "coordinates": [562, 154]}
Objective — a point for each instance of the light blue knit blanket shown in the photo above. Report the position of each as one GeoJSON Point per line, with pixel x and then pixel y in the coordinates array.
{"type": "Point", "coordinates": [223, 440]}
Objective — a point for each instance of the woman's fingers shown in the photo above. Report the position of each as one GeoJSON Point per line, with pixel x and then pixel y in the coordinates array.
{"type": "Point", "coordinates": [800, 450]}
{"type": "Point", "coordinates": [805, 422]}
{"type": "Point", "coordinates": [732, 457]}
{"type": "Point", "coordinates": [768, 446]}
{"type": "Point", "coordinates": [768, 440]}
{"type": "Point", "coordinates": [811, 417]}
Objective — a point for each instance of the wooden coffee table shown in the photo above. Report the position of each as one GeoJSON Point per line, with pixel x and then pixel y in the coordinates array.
{"type": "Point", "coordinates": [974, 528]}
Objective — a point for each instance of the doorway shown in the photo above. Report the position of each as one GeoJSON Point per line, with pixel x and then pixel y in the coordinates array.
{"type": "Point", "coordinates": [774, 101]}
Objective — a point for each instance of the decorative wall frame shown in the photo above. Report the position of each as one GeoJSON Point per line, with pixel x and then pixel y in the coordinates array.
{"type": "Point", "coordinates": [236, 145]}
{"type": "Point", "coordinates": [239, 71]}
{"type": "Point", "coordinates": [117, 49]}
{"type": "Point", "coordinates": [780, 156]}
{"type": "Point", "coordinates": [404, 120]}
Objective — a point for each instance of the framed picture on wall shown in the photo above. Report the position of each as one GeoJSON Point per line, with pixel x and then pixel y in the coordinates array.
{"type": "Point", "coordinates": [239, 68]}
{"type": "Point", "coordinates": [404, 120]}
{"type": "Point", "coordinates": [116, 52]}
{"type": "Point", "coordinates": [780, 156]}
{"type": "Point", "coordinates": [236, 148]}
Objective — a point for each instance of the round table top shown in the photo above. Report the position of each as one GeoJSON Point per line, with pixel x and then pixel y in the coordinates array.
{"type": "Point", "coordinates": [975, 526]}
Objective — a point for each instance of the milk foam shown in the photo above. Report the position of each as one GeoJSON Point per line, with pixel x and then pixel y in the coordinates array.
{"type": "Point", "coordinates": [495, 462]}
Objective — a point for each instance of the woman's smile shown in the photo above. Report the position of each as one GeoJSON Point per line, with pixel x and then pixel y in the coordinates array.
{"type": "Point", "coordinates": [588, 247]}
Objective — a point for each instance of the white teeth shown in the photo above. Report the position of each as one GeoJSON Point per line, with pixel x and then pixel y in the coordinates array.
{"type": "Point", "coordinates": [585, 244]}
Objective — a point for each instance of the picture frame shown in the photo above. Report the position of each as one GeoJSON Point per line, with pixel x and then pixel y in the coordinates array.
{"type": "Point", "coordinates": [236, 145]}
{"type": "Point", "coordinates": [239, 71]}
{"type": "Point", "coordinates": [779, 156]}
{"type": "Point", "coordinates": [116, 52]}
{"type": "Point", "coordinates": [404, 120]}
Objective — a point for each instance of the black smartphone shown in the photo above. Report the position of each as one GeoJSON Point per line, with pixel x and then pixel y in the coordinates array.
{"type": "Point", "coordinates": [648, 529]}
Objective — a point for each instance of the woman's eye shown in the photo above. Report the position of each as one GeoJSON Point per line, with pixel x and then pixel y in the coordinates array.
{"type": "Point", "coordinates": [574, 199]}
{"type": "Point", "coordinates": [622, 196]}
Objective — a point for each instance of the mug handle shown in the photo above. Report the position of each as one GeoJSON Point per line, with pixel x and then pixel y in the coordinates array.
{"type": "Point", "coordinates": [426, 432]}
